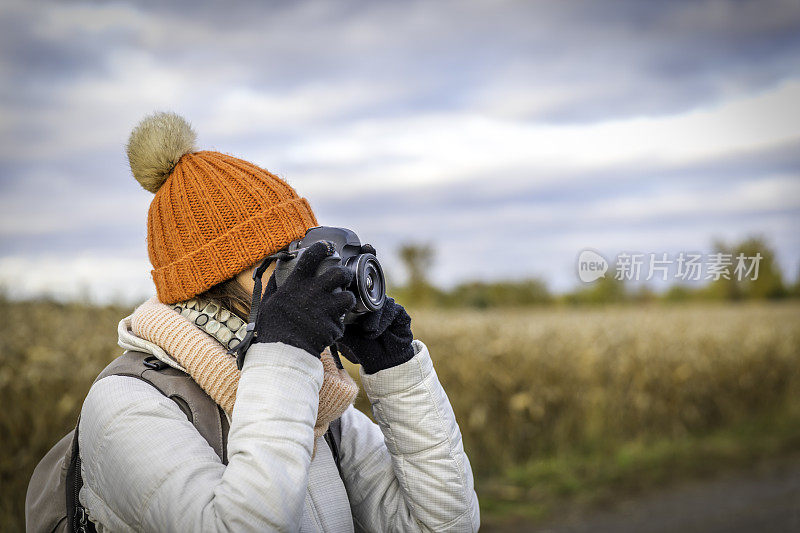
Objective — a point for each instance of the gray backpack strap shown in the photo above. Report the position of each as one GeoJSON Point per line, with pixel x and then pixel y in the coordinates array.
{"type": "Point", "coordinates": [206, 416]}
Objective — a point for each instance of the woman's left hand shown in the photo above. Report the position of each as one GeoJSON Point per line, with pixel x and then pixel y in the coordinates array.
{"type": "Point", "coordinates": [380, 339]}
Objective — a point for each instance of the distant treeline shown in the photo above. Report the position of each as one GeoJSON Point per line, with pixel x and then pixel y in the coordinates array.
{"type": "Point", "coordinates": [418, 290]}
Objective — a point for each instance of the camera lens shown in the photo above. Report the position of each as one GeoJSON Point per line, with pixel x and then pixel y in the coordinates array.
{"type": "Point", "coordinates": [370, 282]}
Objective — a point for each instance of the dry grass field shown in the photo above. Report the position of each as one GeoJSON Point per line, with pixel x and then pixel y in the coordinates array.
{"type": "Point", "coordinates": [555, 404]}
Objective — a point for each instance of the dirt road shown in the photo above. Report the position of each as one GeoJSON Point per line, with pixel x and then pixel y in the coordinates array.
{"type": "Point", "coordinates": [766, 498]}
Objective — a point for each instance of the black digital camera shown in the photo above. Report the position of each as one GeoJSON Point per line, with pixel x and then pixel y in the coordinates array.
{"type": "Point", "coordinates": [368, 285]}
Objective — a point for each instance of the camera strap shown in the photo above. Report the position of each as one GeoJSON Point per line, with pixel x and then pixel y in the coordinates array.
{"type": "Point", "coordinates": [250, 336]}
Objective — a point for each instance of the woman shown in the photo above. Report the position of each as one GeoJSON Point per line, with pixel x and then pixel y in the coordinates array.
{"type": "Point", "coordinates": [146, 467]}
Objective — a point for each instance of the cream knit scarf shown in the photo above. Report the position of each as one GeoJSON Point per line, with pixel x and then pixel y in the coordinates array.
{"type": "Point", "coordinates": [203, 356]}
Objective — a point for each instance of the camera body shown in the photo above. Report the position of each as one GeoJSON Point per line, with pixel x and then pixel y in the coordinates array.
{"type": "Point", "coordinates": [368, 285]}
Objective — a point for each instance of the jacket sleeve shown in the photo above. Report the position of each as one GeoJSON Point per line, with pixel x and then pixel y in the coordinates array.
{"type": "Point", "coordinates": [145, 467]}
{"type": "Point", "coordinates": [409, 472]}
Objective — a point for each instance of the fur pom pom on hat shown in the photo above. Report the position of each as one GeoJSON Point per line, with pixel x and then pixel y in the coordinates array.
{"type": "Point", "coordinates": [155, 147]}
{"type": "Point", "coordinates": [213, 215]}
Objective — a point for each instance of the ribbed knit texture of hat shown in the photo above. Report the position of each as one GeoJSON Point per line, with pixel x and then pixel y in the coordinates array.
{"type": "Point", "coordinates": [213, 215]}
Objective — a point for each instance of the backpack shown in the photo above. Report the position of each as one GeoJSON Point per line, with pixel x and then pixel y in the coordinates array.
{"type": "Point", "coordinates": [51, 502]}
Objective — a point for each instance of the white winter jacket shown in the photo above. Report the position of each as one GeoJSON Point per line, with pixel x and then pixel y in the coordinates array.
{"type": "Point", "coordinates": [146, 468]}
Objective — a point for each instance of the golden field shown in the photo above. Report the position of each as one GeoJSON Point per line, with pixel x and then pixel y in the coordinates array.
{"type": "Point", "coordinates": [554, 403]}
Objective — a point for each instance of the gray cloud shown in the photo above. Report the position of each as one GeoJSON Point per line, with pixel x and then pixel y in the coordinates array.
{"type": "Point", "coordinates": [667, 54]}
{"type": "Point", "coordinates": [274, 82]}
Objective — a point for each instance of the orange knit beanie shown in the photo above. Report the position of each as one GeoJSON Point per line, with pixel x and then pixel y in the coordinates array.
{"type": "Point", "coordinates": [213, 215]}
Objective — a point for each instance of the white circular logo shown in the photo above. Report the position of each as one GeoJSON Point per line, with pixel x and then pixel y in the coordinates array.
{"type": "Point", "coordinates": [591, 266]}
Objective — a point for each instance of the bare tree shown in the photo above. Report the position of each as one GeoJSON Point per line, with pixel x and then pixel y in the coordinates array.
{"type": "Point", "coordinates": [418, 259]}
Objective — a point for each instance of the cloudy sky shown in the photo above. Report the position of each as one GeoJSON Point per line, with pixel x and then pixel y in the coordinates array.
{"type": "Point", "coordinates": [509, 135]}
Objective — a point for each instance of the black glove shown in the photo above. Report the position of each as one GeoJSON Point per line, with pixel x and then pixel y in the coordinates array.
{"type": "Point", "coordinates": [305, 312]}
{"type": "Point", "coordinates": [381, 339]}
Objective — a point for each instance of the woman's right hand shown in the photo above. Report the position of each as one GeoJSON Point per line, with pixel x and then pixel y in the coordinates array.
{"type": "Point", "coordinates": [305, 312]}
